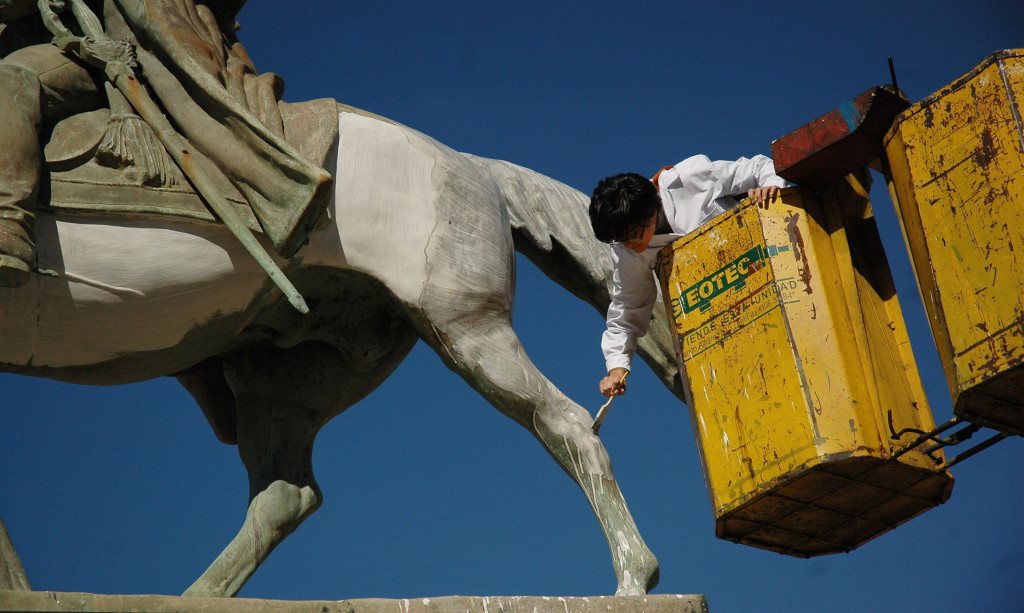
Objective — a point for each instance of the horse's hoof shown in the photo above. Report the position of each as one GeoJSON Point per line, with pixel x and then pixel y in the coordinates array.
{"type": "Point", "coordinates": [640, 585]}
{"type": "Point", "coordinates": [14, 272]}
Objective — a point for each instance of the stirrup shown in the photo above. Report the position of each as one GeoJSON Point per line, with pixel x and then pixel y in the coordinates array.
{"type": "Point", "coordinates": [14, 272]}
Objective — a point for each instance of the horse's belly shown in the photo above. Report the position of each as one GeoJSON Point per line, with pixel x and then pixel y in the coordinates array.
{"type": "Point", "coordinates": [128, 301]}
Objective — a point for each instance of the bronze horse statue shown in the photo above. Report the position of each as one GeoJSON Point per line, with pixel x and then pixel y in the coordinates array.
{"type": "Point", "coordinates": [420, 246]}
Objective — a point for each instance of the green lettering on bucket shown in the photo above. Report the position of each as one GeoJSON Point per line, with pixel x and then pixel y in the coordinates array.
{"type": "Point", "coordinates": [731, 276]}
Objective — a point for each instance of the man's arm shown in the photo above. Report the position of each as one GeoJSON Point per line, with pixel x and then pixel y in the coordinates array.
{"type": "Point", "coordinates": [755, 177]}
{"type": "Point", "coordinates": [745, 174]}
{"type": "Point", "coordinates": [634, 294]}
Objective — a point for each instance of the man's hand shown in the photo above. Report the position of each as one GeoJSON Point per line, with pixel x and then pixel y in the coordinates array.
{"type": "Point", "coordinates": [763, 196]}
{"type": "Point", "coordinates": [615, 383]}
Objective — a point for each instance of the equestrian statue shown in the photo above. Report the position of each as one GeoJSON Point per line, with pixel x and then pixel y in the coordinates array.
{"type": "Point", "coordinates": [163, 212]}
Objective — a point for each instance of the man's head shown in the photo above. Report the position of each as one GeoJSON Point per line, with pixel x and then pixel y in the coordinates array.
{"type": "Point", "coordinates": [622, 207]}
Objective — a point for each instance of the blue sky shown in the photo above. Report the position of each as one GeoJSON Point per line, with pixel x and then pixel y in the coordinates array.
{"type": "Point", "coordinates": [428, 490]}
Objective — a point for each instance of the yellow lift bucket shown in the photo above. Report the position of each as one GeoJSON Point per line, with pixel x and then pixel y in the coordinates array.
{"type": "Point", "coordinates": [956, 174]}
{"type": "Point", "coordinates": [798, 373]}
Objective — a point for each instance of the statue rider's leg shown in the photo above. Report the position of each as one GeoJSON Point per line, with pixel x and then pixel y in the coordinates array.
{"type": "Point", "coordinates": [19, 172]}
{"type": "Point", "coordinates": [39, 84]}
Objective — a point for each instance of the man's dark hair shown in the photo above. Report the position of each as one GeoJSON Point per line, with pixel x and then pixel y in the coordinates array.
{"type": "Point", "coordinates": [621, 205]}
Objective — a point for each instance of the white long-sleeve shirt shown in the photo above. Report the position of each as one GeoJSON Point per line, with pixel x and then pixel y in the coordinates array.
{"type": "Point", "coordinates": [692, 193]}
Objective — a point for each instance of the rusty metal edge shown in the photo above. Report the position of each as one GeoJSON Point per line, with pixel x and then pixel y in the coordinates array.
{"type": "Point", "coordinates": [927, 101]}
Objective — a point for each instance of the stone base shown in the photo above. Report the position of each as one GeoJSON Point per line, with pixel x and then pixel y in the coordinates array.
{"type": "Point", "coordinates": [77, 601]}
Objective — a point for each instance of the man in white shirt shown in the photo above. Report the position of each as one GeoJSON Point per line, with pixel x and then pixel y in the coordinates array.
{"type": "Point", "coordinates": [640, 216]}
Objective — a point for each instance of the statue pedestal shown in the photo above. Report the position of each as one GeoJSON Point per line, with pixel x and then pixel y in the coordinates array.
{"type": "Point", "coordinates": [77, 601]}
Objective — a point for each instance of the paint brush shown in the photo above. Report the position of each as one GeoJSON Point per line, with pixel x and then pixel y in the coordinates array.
{"type": "Point", "coordinates": [603, 411]}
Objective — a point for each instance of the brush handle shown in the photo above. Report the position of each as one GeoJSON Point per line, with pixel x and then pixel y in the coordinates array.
{"type": "Point", "coordinates": [603, 411]}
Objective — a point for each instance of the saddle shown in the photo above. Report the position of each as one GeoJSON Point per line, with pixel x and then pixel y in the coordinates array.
{"type": "Point", "coordinates": [107, 161]}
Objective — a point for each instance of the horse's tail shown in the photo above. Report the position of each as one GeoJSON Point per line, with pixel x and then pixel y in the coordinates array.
{"type": "Point", "coordinates": [550, 226]}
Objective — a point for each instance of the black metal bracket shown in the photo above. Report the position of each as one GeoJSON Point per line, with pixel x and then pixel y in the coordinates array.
{"type": "Point", "coordinates": [955, 438]}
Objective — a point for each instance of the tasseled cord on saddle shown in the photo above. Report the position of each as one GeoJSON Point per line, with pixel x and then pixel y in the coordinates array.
{"type": "Point", "coordinates": [129, 143]}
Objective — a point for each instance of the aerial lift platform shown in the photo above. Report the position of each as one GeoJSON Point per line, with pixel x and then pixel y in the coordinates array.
{"type": "Point", "coordinates": [812, 424]}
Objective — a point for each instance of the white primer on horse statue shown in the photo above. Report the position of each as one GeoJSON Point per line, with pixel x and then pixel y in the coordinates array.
{"type": "Point", "coordinates": [420, 246]}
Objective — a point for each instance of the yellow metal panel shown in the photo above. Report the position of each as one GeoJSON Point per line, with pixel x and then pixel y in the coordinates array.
{"type": "Point", "coordinates": [956, 165]}
{"type": "Point", "coordinates": [794, 352]}
{"type": "Point", "coordinates": [876, 320]}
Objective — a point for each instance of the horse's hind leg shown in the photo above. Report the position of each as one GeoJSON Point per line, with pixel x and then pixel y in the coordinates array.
{"type": "Point", "coordinates": [485, 351]}
{"type": "Point", "coordinates": [282, 398]}
{"type": "Point", "coordinates": [12, 573]}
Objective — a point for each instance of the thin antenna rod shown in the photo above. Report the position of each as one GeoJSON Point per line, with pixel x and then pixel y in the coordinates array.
{"type": "Point", "coordinates": [892, 74]}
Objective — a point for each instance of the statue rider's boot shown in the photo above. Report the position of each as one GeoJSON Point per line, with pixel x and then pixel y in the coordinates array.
{"type": "Point", "coordinates": [20, 163]}
{"type": "Point", "coordinates": [17, 245]}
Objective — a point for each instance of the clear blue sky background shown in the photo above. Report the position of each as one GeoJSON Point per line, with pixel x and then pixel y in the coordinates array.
{"type": "Point", "coordinates": [428, 490]}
